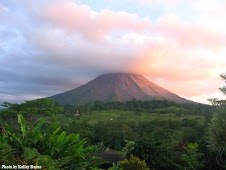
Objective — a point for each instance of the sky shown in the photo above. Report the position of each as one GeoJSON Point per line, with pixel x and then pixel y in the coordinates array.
{"type": "Point", "coordinates": [48, 47]}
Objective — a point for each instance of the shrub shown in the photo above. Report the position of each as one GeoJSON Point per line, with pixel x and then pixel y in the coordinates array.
{"type": "Point", "coordinates": [133, 163]}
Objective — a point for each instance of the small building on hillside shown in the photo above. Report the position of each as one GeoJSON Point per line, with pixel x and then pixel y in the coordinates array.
{"type": "Point", "coordinates": [77, 113]}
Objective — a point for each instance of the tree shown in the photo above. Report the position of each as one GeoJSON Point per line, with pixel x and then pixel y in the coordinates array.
{"type": "Point", "coordinates": [154, 151]}
{"type": "Point", "coordinates": [39, 106]}
{"type": "Point", "coordinates": [216, 137]}
{"type": "Point", "coordinates": [223, 89]}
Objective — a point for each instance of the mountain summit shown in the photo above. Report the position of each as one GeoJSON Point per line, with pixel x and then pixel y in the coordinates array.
{"type": "Point", "coordinates": [116, 87]}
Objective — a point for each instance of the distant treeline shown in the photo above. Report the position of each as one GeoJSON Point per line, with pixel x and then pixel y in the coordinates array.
{"type": "Point", "coordinates": [152, 106]}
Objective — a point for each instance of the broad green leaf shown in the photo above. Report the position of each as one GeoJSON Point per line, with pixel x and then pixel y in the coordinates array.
{"type": "Point", "coordinates": [60, 139]}
{"type": "Point", "coordinates": [21, 121]}
{"type": "Point", "coordinates": [39, 125]}
{"type": "Point", "coordinates": [56, 131]}
{"type": "Point", "coordinates": [70, 138]}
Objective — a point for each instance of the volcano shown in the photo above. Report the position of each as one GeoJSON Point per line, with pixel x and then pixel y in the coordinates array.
{"type": "Point", "coordinates": [116, 87]}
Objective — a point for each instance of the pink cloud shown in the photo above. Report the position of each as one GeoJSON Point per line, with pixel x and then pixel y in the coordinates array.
{"type": "Point", "coordinates": [172, 63]}
{"type": "Point", "coordinates": [179, 70]}
{"type": "Point", "coordinates": [189, 35]}
{"type": "Point", "coordinates": [191, 88]}
{"type": "Point", "coordinates": [93, 25]}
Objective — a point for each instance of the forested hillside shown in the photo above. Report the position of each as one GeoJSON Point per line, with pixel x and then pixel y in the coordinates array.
{"type": "Point", "coordinates": [159, 134]}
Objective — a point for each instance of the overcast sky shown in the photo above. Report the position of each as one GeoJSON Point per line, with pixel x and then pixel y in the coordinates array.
{"type": "Point", "coordinates": [50, 46]}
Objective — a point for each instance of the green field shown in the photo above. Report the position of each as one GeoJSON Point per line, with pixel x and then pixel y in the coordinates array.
{"type": "Point", "coordinates": [113, 115]}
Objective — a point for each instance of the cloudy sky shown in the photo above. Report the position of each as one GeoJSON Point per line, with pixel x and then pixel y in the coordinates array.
{"type": "Point", "coordinates": [52, 46]}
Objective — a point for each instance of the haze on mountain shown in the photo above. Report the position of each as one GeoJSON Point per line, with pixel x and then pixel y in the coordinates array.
{"type": "Point", "coordinates": [116, 87]}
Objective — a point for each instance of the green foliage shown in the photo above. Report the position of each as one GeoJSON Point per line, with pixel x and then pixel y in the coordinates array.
{"type": "Point", "coordinates": [192, 157]}
{"type": "Point", "coordinates": [170, 109]}
{"type": "Point", "coordinates": [21, 121]}
{"type": "Point", "coordinates": [39, 106]}
{"type": "Point", "coordinates": [154, 152]}
{"type": "Point", "coordinates": [47, 162]}
{"type": "Point", "coordinates": [147, 135]}
{"type": "Point", "coordinates": [101, 147]}
{"type": "Point", "coordinates": [192, 130]}
{"type": "Point", "coordinates": [138, 106]}
{"type": "Point", "coordinates": [116, 166]}
{"type": "Point", "coordinates": [29, 154]}
{"type": "Point", "coordinates": [209, 157]}
{"type": "Point", "coordinates": [129, 147]}
{"type": "Point", "coordinates": [133, 163]}
{"type": "Point", "coordinates": [217, 129]}
{"type": "Point", "coordinates": [112, 133]}
{"type": "Point", "coordinates": [49, 148]}
{"type": "Point", "coordinates": [6, 153]}
{"type": "Point", "coordinates": [216, 137]}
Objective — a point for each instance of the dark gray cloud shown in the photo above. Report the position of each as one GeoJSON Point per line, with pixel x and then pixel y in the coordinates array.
{"type": "Point", "coordinates": [29, 67]}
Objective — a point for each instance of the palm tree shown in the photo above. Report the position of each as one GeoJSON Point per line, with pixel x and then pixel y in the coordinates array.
{"type": "Point", "coordinates": [216, 135]}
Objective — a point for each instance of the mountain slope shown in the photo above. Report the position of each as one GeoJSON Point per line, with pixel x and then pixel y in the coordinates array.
{"type": "Point", "coordinates": [116, 87]}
